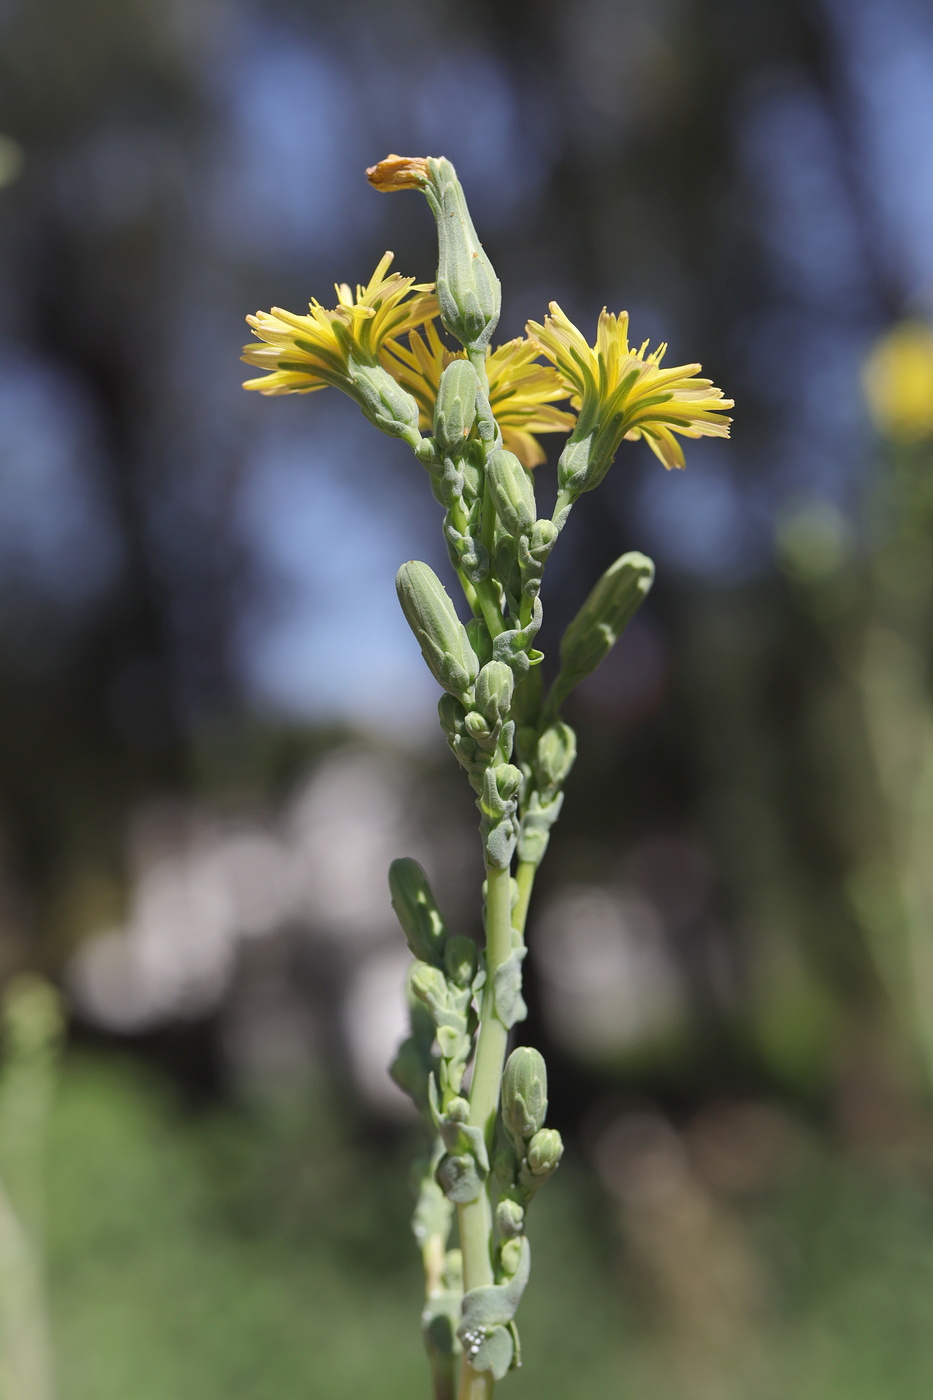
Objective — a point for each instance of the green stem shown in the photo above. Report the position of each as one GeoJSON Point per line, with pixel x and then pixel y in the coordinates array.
{"type": "Point", "coordinates": [475, 1218]}
{"type": "Point", "coordinates": [525, 879]}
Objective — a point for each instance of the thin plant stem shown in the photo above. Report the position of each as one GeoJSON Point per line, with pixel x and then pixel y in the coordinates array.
{"type": "Point", "coordinates": [475, 1218]}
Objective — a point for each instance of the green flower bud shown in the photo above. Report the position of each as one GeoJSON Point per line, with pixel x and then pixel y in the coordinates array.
{"type": "Point", "coordinates": [429, 984]}
{"type": "Point", "coordinates": [455, 407]}
{"type": "Point", "coordinates": [573, 467]}
{"type": "Point", "coordinates": [508, 781]}
{"type": "Point", "coordinates": [512, 492]}
{"type": "Point", "coordinates": [476, 726]}
{"type": "Point", "coordinates": [524, 1092]}
{"type": "Point", "coordinates": [451, 714]}
{"type": "Point", "coordinates": [554, 758]}
{"type": "Point", "coordinates": [543, 539]}
{"type": "Point", "coordinates": [384, 402]}
{"type": "Point", "coordinates": [601, 621]}
{"type": "Point", "coordinates": [467, 287]}
{"type": "Point", "coordinates": [510, 1219]}
{"type": "Point", "coordinates": [416, 910]}
{"type": "Point", "coordinates": [544, 1152]}
{"type": "Point", "coordinates": [460, 959]}
{"type": "Point", "coordinates": [494, 686]}
{"type": "Point", "coordinates": [458, 1110]}
{"type": "Point", "coordinates": [441, 635]}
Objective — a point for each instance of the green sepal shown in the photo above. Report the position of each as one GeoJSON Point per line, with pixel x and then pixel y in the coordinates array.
{"type": "Point", "coordinates": [494, 1304]}
{"type": "Point", "coordinates": [493, 1351]}
{"type": "Point", "coordinates": [514, 645]}
{"type": "Point", "coordinates": [459, 1178]}
{"type": "Point", "coordinates": [508, 1001]}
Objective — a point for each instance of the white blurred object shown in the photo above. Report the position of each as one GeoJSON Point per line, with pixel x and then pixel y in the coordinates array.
{"type": "Point", "coordinates": [203, 885]}
{"type": "Point", "coordinates": [375, 1024]}
{"type": "Point", "coordinates": [609, 983]}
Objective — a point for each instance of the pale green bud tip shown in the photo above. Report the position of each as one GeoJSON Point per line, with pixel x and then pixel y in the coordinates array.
{"type": "Point", "coordinates": [545, 1151]}
{"type": "Point", "coordinates": [512, 492]}
{"type": "Point", "coordinates": [416, 910]}
{"type": "Point", "coordinates": [510, 1219]}
{"type": "Point", "coordinates": [468, 290]}
{"type": "Point", "coordinates": [494, 687]}
{"type": "Point", "coordinates": [428, 983]}
{"type": "Point", "coordinates": [455, 409]}
{"type": "Point", "coordinates": [556, 752]}
{"type": "Point", "coordinates": [508, 780]}
{"type": "Point", "coordinates": [524, 1092]}
{"type": "Point", "coordinates": [442, 637]}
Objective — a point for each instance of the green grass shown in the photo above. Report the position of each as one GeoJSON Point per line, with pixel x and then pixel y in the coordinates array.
{"type": "Point", "coordinates": [263, 1254]}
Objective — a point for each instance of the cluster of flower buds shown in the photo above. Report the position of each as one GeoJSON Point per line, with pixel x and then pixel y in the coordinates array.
{"type": "Point", "coordinates": [529, 1152]}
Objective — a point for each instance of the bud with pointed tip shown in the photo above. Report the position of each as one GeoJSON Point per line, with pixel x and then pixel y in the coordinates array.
{"type": "Point", "coordinates": [467, 287]}
{"type": "Point", "coordinates": [524, 1092]}
{"type": "Point", "coordinates": [512, 492]}
{"type": "Point", "coordinates": [441, 635]}
{"type": "Point", "coordinates": [416, 910]}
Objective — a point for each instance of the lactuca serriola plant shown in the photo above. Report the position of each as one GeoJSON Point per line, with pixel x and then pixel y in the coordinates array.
{"type": "Point", "coordinates": [473, 415]}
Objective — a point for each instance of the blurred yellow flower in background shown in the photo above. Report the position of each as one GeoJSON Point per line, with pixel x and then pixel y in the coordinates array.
{"type": "Point", "coordinates": [623, 393]}
{"type": "Point", "coordinates": [521, 390]}
{"type": "Point", "coordinates": [898, 382]}
{"type": "Point", "coordinates": [306, 353]}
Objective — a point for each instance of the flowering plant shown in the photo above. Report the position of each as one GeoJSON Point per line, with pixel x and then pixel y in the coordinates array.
{"type": "Point", "coordinates": [473, 416]}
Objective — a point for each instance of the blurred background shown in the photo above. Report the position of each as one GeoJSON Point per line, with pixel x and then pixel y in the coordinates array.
{"type": "Point", "coordinates": [216, 730]}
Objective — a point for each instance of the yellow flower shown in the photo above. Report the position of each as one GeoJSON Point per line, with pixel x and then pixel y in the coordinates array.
{"type": "Point", "coordinates": [305, 353]}
{"type": "Point", "coordinates": [623, 393]}
{"type": "Point", "coordinates": [521, 391]}
{"type": "Point", "coordinates": [898, 379]}
{"type": "Point", "coordinates": [398, 173]}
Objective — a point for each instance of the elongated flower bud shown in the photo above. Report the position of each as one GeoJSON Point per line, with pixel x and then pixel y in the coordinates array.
{"type": "Point", "coordinates": [417, 912]}
{"type": "Point", "coordinates": [442, 637]}
{"type": "Point", "coordinates": [385, 403]}
{"type": "Point", "coordinates": [455, 408]}
{"type": "Point", "coordinates": [524, 1092]}
{"type": "Point", "coordinates": [603, 618]}
{"type": "Point", "coordinates": [467, 287]}
{"type": "Point", "coordinates": [512, 492]}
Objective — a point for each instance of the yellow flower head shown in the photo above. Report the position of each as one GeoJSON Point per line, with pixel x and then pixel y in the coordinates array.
{"type": "Point", "coordinates": [623, 393]}
{"type": "Point", "coordinates": [521, 391]}
{"type": "Point", "coordinates": [898, 380]}
{"type": "Point", "coordinates": [305, 353]}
